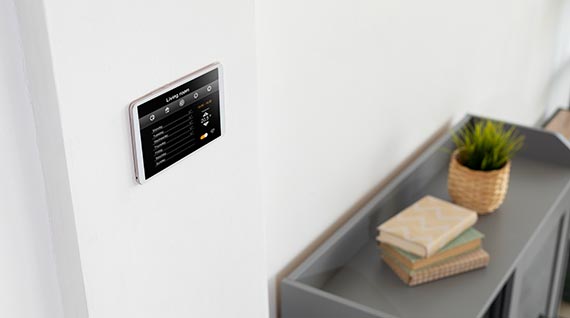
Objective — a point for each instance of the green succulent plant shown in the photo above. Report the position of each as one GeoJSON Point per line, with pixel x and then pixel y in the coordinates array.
{"type": "Point", "coordinates": [486, 145]}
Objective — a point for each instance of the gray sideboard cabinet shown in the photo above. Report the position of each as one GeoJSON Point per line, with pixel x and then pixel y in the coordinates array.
{"type": "Point", "coordinates": [345, 278]}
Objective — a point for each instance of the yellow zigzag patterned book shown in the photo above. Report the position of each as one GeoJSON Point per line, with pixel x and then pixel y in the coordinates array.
{"type": "Point", "coordinates": [426, 226]}
{"type": "Point", "coordinates": [461, 264]}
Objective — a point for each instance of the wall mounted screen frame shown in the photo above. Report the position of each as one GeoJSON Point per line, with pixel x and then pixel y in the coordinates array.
{"type": "Point", "coordinates": [176, 120]}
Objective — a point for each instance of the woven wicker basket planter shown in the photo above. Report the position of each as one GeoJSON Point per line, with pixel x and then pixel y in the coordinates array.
{"type": "Point", "coordinates": [481, 191]}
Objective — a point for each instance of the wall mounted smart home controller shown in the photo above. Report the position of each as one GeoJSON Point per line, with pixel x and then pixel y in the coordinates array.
{"type": "Point", "coordinates": [176, 120]}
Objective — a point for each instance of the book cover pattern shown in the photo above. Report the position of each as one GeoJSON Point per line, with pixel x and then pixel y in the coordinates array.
{"type": "Point", "coordinates": [430, 223]}
{"type": "Point", "coordinates": [462, 264]}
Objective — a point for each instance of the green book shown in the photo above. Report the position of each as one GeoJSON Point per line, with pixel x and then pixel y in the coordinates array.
{"type": "Point", "coordinates": [467, 241]}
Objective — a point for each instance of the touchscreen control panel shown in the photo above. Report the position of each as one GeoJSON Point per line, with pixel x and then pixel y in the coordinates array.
{"type": "Point", "coordinates": [176, 121]}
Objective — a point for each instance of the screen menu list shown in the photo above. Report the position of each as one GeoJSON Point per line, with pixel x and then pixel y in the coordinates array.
{"type": "Point", "coordinates": [179, 122]}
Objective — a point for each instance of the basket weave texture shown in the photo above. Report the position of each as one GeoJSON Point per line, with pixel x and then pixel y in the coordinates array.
{"type": "Point", "coordinates": [481, 191]}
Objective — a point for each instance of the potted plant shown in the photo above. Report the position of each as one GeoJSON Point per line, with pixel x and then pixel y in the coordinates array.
{"type": "Point", "coordinates": [480, 166]}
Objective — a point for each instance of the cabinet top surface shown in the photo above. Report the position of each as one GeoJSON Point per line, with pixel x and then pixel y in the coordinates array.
{"type": "Point", "coordinates": [534, 189]}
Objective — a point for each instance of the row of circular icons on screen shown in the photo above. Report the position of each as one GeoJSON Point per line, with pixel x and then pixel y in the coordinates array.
{"type": "Point", "coordinates": [181, 103]}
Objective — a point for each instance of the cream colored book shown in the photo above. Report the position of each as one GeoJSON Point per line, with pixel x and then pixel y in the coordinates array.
{"type": "Point", "coordinates": [426, 226]}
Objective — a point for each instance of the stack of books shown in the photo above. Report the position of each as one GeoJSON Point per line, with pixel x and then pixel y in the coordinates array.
{"type": "Point", "coordinates": [430, 240]}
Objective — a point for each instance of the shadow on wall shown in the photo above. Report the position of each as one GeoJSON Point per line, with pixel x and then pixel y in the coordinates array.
{"type": "Point", "coordinates": [444, 129]}
{"type": "Point", "coordinates": [558, 90]}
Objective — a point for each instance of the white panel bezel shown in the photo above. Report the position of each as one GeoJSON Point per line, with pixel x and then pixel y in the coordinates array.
{"type": "Point", "coordinates": [140, 176]}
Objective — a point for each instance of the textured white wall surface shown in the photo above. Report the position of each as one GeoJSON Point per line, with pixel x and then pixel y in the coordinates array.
{"type": "Point", "coordinates": [323, 100]}
{"type": "Point", "coordinates": [28, 283]}
{"type": "Point", "coordinates": [190, 242]}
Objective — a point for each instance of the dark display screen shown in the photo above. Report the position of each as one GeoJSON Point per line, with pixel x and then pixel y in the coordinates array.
{"type": "Point", "coordinates": [179, 122]}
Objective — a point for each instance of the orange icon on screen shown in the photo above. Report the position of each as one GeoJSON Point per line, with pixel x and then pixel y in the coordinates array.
{"type": "Point", "coordinates": [204, 136]}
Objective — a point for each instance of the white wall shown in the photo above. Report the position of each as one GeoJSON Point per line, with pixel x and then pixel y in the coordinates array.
{"type": "Point", "coordinates": [558, 90]}
{"type": "Point", "coordinates": [49, 138]}
{"type": "Point", "coordinates": [189, 243]}
{"type": "Point", "coordinates": [348, 89]}
{"type": "Point", "coordinates": [28, 287]}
